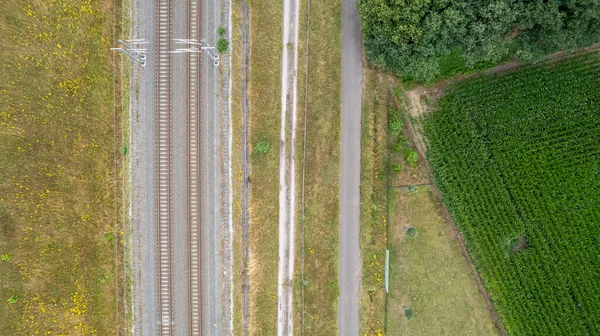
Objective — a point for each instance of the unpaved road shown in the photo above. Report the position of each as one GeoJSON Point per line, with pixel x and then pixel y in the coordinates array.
{"type": "Point", "coordinates": [287, 173]}
{"type": "Point", "coordinates": [350, 255]}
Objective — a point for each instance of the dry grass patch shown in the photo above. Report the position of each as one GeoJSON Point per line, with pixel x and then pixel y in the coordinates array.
{"type": "Point", "coordinates": [57, 191]}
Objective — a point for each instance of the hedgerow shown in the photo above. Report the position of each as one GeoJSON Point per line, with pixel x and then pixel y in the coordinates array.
{"type": "Point", "coordinates": [426, 39]}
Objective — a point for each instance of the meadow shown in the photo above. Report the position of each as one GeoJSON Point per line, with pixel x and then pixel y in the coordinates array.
{"type": "Point", "coordinates": [58, 199]}
{"type": "Point", "coordinates": [515, 156]}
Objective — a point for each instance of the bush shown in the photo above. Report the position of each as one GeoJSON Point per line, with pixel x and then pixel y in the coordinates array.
{"type": "Point", "coordinates": [13, 299]}
{"type": "Point", "coordinates": [6, 257]}
{"type": "Point", "coordinates": [222, 31]}
{"type": "Point", "coordinates": [262, 147]}
{"type": "Point", "coordinates": [411, 232]}
{"type": "Point", "coordinates": [396, 124]}
{"type": "Point", "coordinates": [222, 45]}
{"type": "Point", "coordinates": [412, 157]}
{"type": "Point", "coordinates": [409, 314]}
{"type": "Point", "coordinates": [123, 151]}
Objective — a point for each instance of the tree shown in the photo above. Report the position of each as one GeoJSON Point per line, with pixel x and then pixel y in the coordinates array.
{"type": "Point", "coordinates": [411, 36]}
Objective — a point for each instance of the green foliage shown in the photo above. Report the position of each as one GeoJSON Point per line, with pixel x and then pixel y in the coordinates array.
{"type": "Point", "coordinates": [412, 157]}
{"type": "Point", "coordinates": [409, 314]}
{"type": "Point", "coordinates": [13, 299]}
{"type": "Point", "coordinates": [426, 39]}
{"type": "Point", "coordinates": [222, 31]}
{"type": "Point", "coordinates": [104, 279]}
{"type": "Point", "coordinates": [6, 257]}
{"type": "Point", "coordinates": [109, 238]}
{"type": "Point", "coordinates": [222, 45]}
{"type": "Point", "coordinates": [411, 232]}
{"type": "Point", "coordinates": [123, 151]}
{"type": "Point", "coordinates": [516, 159]}
{"type": "Point", "coordinates": [396, 123]}
{"type": "Point", "coordinates": [396, 168]}
{"type": "Point", "coordinates": [262, 147]}
{"type": "Point", "coordinates": [411, 189]}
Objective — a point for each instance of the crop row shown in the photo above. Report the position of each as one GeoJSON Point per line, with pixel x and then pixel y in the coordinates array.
{"type": "Point", "coordinates": [516, 159]}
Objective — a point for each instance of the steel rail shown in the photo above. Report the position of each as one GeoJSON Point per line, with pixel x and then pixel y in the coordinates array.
{"type": "Point", "coordinates": [163, 88]}
{"type": "Point", "coordinates": [195, 282]}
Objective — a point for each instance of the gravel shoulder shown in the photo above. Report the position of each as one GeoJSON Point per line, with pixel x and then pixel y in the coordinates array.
{"type": "Point", "coordinates": [143, 179]}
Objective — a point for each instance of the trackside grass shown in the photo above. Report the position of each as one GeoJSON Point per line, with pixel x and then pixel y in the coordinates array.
{"type": "Point", "coordinates": [265, 119]}
{"type": "Point", "coordinates": [57, 191]}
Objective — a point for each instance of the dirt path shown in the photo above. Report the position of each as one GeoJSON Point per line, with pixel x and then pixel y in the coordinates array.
{"type": "Point", "coordinates": [287, 174]}
{"type": "Point", "coordinates": [245, 164]}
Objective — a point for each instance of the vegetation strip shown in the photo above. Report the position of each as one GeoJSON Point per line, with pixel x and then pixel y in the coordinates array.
{"type": "Point", "coordinates": [264, 106]}
{"type": "Point", "coordinates": [321, 159]}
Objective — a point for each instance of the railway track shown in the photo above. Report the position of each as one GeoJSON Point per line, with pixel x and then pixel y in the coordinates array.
{"type": "Point", "coordinates": [163, 88]}
{"type": "Point", "coordinates": [194, 174]}
{"type": "Point", "coordinates": [164, 166]}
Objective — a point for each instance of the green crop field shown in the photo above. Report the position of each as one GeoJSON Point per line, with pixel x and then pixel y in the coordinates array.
{"type": "Point", "coordinates": [517, 159]}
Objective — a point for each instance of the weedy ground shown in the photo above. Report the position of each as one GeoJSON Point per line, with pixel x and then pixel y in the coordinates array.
{"type": "Point", "coordinates": [57, 192]}
{"type": "Point", "coordinates": [377, 101]}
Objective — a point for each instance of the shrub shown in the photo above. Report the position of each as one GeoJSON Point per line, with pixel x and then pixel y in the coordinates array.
{"type": "Point", "coordinates": [222, 45]}
{"type": "Point", "coordinates": [262, 147]}
{"type": "Point", "coordinates": [411, 189]}
{"type": "Point", "coordinates": [411, 232]}
{"type": "Point", "coordinates": [409, 314]}
{"type": "Point", "coordinates": [412, 157]}
{"type": "Point", "coordinates": [13, 299]}
{"type": "Point", "coordinates": [396, 123]}
{"type": "Point", "coordinates": [123, 151]}
{"type": "Point", "coordinates": [222, 30]}
{"type": "Point", "coordinates": [6, 257]}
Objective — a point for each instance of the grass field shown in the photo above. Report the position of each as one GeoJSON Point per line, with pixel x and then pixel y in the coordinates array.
{"type": "Point", "coordinates": [428, 273]}
{"type": "Point", "coordinates": [516, 158]}
{"type": "Point", "coordinates": [57, 189]}
{"type": "Point", "coordinates": [322, 169]}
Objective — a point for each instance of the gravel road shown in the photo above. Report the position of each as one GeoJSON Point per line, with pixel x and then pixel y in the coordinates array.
{"type": "Point", "coordinates": [350, 255]}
